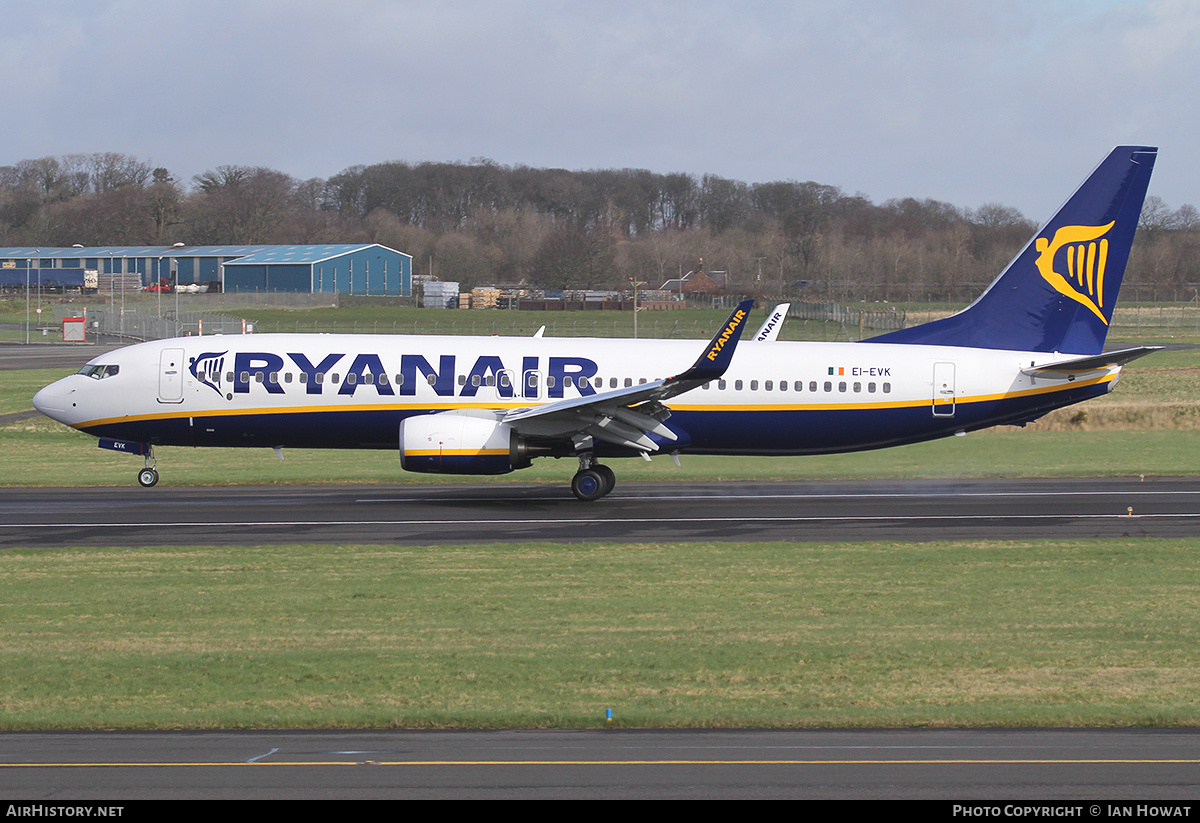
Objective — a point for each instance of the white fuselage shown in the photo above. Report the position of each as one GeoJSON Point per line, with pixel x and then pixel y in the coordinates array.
{"type": "Point", "coordinates": [353, 390]}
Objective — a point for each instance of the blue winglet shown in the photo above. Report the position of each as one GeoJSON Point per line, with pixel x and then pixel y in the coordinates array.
{"type": "Point", "coordinates": [715, 360]}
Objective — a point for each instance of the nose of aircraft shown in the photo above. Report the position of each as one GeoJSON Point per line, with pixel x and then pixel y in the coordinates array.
{"type": "Point", "coordinates": [54, 401]}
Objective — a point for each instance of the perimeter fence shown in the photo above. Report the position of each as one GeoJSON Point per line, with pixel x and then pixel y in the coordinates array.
{"type": "Point", "coordinates": [814, 322]}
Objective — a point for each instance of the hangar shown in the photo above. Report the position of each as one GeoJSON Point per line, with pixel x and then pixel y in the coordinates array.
{"type": "Point", "coordinates": [367, 269]}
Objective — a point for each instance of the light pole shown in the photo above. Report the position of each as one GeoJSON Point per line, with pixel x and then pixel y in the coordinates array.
{"type": "Point", "coordinates": [112, 287]}
{"type": "Point", "coordinates": [636, 283]}
{"type": "Point", "coordinates": [28, 264]}
{"type": "Point", "coordinates": [39, 270]}
{"type": "Point", "coordinates": [122, 297]}
{"type": "Point", "coordinates": [174, 268]}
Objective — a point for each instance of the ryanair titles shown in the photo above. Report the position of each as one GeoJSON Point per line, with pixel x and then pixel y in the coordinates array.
{"type": "Point", "coordinates": [721, 339]}
{"type": "Point", "coordinates": [345, 374]}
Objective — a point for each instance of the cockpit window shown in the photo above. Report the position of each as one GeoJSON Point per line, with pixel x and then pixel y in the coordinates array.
{"type": "Point", "coordinates": [99, 372]}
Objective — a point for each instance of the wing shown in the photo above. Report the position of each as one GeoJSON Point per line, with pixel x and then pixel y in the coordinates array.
{"type": "Point", "coordinates": [626, 417]}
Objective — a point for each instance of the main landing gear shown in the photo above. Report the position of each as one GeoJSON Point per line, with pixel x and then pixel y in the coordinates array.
{"type": "Point", "coordinates": [593, 480]}
{"type": "Point", "coordinates": [149, 475]}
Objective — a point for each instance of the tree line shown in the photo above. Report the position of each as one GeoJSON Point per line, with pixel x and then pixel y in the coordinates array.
{"type": "Point", "coordinates": [480, 222]}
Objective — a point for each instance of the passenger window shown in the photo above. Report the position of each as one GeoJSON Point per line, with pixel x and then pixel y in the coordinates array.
{"type": "Point", "coordinates": [812, 386]}
{"type": "Point", "coordinates": [871, 388]}
{"type": "Point", "coordinates": [229, 377]}
{"type": "Point", "coordinates": [737, 385]}
{"type": "Point", "coordinates": [549, 381]}
{"type": "Point", "coordinates": [432, 378]}
{"type": "Point", "coordinates": [828, 386]}
{"type": "Point", "coordinates": [841, 386]}
{"type": "Point", "coordinates": [320, 377]}
{"type": "Point", "coordinates": [753, 385]}
{"type": "Point", "coordinates": [245, 377]}
{"type": "Point", "coordinates": [721, 384]}
{"type": "Point", "coordinates": [399, 380]}
{"type": "Point", "coordinates": [887, 388]}
{"type": "Point", "coordinates": [628, 382]}
{"type": "Point", "coordinates": [612, 382]}
{"type": "Point", "coordinates": [858, 387]}
{"type": "Point", "coordinates": [303, 377]}
{"type": "Point", "coordinates": [273, 377]}
{"type": "Point", "coordinates": [474, 380]}
{"type": "Point", "coordinates": [287, 377]}
{"type": "Point", "coordinates": [351, 379]}
{"type": "Point", "coordinates": [333, 378]}
{"type": "Point", "coordinates": [462, 380]}
{"type": "Point", "coordinates": [768, 385]}
{"type": "Point", "coordinates": [567, 382]}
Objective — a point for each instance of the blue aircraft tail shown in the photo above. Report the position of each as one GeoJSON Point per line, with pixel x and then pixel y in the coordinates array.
{"type": "Point", "coordinates": [1057, 295]}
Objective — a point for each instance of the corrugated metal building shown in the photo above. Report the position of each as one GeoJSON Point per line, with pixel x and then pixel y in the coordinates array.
{"type": "Point", "coordinates": [347, 269]}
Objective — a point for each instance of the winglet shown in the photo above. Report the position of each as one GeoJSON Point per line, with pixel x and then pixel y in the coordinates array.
{"type": "Point", "coordinates": [715, 360]}
{"type": "Point", "coordinates": [769, 330]}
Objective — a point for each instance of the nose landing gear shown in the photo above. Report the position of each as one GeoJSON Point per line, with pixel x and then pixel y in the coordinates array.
{"type": "Point", "coordinates": [149, 475]}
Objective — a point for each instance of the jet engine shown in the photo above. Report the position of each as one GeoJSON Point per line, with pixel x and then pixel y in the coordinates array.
{"type": "Point", "coordinates": [460, 443]}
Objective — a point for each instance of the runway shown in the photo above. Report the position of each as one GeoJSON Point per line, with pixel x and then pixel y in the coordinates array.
{"type": "Point", "coordinates": [496, 513]}
{"type": "Point", "coordinates": [1053, 768]}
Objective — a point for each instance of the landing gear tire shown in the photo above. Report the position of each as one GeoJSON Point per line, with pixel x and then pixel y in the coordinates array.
{"type": "Point", "coordinates": [589, 485]}
{"type": "Point", "coordinates": [610, 477]}
{"type": "Point", "coordinates": [147, 477]}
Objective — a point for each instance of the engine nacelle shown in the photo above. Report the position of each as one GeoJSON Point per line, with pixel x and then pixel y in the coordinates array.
{"type": "Point", "coordinates": [458, 443]}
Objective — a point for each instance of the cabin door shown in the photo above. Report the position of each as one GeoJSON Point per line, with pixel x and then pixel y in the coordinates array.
{"type": "Point", "coordinates": [170, 376]}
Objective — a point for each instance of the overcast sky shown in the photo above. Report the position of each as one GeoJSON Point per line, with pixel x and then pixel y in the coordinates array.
{"type": "Point", "coordinates": [1011, 102]}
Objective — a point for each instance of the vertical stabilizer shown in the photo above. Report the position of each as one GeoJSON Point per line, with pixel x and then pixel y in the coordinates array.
{"type": "Point", "coordinates": [1058, 294]}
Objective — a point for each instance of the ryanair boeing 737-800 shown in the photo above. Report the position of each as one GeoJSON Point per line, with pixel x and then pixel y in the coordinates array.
{"type": "Point", "coordinates": [1033, 342]}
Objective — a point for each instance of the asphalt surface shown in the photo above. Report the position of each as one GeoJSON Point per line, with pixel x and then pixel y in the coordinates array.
{"type": "Point", "coordinates": [50, 355]}
{"type": "Point", "coordinates": [1085, 769]}
{"type": "Point", "coordinates": [498, 513]}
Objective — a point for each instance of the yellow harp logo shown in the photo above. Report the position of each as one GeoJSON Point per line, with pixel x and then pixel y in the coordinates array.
{"type": "Point", "coordinates": [1086, 256]}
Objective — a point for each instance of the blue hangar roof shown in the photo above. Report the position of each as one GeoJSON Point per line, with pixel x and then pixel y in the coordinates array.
{"type": "Point", "coordinates": [273, 255]}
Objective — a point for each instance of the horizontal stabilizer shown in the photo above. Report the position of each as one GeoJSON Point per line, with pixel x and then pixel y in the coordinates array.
{"type": "Point", "coordinates": [1107, 360]}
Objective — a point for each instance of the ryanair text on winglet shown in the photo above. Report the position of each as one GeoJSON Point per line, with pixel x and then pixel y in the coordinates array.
{"type": "Point", "coordinates": [719, 343]}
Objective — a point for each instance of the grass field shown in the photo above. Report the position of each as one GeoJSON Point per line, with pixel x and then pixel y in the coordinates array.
{"type": "Point", "coordinates": [1086, 633]}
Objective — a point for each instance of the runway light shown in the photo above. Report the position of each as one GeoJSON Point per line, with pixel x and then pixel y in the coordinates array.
{"type": "Point", "coordinates": [1130, 511]}
{"type": "Point", "coordinates": [608, 715]}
